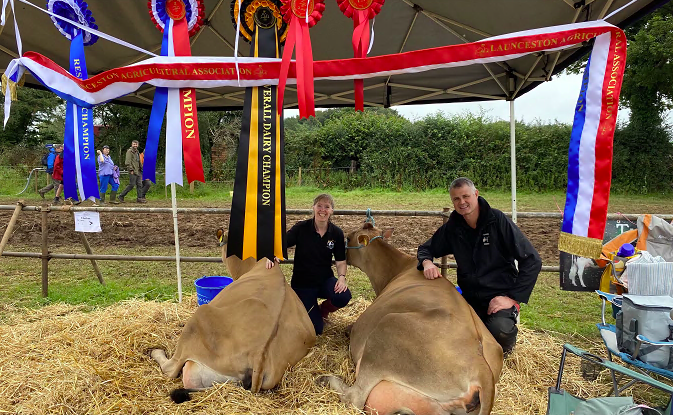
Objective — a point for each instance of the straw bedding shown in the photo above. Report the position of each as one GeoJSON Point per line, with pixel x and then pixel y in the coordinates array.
{"type": "Point", "coordinates": [60, 359]}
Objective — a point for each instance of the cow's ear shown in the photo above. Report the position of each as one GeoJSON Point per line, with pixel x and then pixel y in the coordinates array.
{"type": "Point", "coordinates": [367, 225]}
{"type": "Point", "coordinates": [221, 237]}
{"type": "Point", "coordinates": [363, 240]}
{"type": "Point", "coordinates": [387, 233]}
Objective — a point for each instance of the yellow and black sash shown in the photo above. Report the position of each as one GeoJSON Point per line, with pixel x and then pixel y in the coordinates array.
{"type": "Point", "coordinates": [257, 222]}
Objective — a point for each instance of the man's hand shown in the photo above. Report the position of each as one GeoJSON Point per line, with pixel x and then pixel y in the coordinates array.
{"type": "Point", "coordinates": [500, 303]}
{"type": "Point", "coordinates": [340, 285]}
{"type": "Point", "coordinates": [98, 151]}
{"type": "Point", "coordinates": [270, 264]}
{"type": "Point", "coordinates": [430, 270]}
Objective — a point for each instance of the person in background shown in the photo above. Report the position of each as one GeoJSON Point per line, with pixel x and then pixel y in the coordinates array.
{"type": "Point", "coordinates": [106, 171]}
{"type": "Point", "coordinates": [318, 240]}
{"type": "Point", "coordinates": [135, 170]}
{"type": "Point", "coordinates": [57, 175]}
{"type": "Point", "coordinates": [487, 246]}
{"type": "Point", "coordinates": [53, 152]}
{"type": "Point", "coordinates": [147, 183]}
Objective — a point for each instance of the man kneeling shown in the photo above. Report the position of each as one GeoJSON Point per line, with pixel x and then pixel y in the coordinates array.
{"type": "Point", "coordinates": [485, 244]}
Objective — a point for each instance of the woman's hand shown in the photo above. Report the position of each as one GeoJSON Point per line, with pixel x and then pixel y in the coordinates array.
{"type": "Point", "coordinates": [270, 264]}
{"type": "Point", "coordinates": [340, 285]}
{"type": "Point", "coordinates": [98, 151]}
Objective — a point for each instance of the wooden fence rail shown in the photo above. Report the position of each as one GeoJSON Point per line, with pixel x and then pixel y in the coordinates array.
{"type": "Point", "coordinates": [45, 255]}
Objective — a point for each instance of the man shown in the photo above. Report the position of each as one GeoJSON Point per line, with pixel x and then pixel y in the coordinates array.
{"type": "Point", "coordinates": [53, 152]}
{"type": "Point", "coordinates": [486, 245]}
{"type": "Point", "coordinates": [135, 170]}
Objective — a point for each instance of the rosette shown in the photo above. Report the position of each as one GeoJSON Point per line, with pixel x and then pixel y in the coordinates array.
{"type": "Point", "coordinates": [178, 20]}
{"type": "Point", "coordinates": [248, 8]}
{"type": "Point", "coordinates": [75, 10]}
{"type": "Point", "coordinates": [361, 11]}
{"type": "Point", "coordinates": [79, 165]}
{"type": "Point", "coordinates": [300, 15]}
{"type": "Point", "coordinates": [193, 13]}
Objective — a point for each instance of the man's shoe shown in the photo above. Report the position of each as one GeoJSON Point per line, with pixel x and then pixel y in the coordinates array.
{"type": "Point", "coordinates": [56, 201]}
{"type": "Point", "coordinates": [141, 201]}
{"type": "Point", "coordinates": [41, 193]}
{"type": "Point", "coordinates": [120, 198]}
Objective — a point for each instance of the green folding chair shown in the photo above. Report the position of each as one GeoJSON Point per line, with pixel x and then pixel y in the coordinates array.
{"type": "Point", "coordinates": [563, 403]}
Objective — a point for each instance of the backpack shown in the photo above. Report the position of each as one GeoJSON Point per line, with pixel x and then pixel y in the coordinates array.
{"type": "Point", "coordinates": [45, 159]}
{"type": "Point", "coordinates": [648, 315]}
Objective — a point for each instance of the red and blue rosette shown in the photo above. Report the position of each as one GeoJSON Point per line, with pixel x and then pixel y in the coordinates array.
{"type": "Point", "coordinates": [361, 11]}
{"type": "Point", "coordinates": [79, 154]}
{"type": "Point", "coordinates": [300, 15]}
{"type": "Point", "coordinates": [178, 20]}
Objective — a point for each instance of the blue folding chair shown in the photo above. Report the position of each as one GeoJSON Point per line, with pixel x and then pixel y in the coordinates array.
{"type": "Point", "coordinates": [609, 335]}
{"type": "Point", "coordinates": [563, 403]}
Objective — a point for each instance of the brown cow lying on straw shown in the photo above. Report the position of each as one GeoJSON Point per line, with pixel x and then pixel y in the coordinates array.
{"type": "Point", "coordinates": [250, 333]}
{"type": "Point", "coordinates": [419, 348]}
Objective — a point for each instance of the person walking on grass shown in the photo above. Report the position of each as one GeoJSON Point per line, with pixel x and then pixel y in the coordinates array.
{"type": "Point", "coordinates": [497, 264]}
{"type": "Point", "coordinates": [106, 173]}
{"type": "Point", "coordinates": [57, 175]}
{"type": "Point", "coordinates": [55, 150]}
{"type": "Point", "coordinates": [135, 170]}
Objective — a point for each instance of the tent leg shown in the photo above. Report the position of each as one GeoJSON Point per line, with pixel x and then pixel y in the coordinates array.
{"type": "Point", "coordinates": [177, 240]}
{"type": "Point", "coordinates": [512, 151]}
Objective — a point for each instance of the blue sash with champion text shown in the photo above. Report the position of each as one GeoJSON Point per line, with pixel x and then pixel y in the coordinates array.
{"type": "Point", "coordinates": [79, 155]}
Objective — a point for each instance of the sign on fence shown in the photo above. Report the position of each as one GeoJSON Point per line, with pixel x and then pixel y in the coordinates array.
{"type": "Point", "coordinates": [87, 222]}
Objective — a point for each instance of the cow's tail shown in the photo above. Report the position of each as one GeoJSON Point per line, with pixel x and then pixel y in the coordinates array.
{"type": "Point", "coordinates": [257, 373]}
{"type": "Point", "coordinates": [181, 395]}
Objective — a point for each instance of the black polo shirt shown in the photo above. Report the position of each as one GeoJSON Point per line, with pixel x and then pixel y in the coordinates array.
{"type": "Point", "coordinates": [313, 255]}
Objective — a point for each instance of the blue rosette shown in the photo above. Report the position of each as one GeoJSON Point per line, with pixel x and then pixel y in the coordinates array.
{"type": "Point", "coordinates": [77, 11]}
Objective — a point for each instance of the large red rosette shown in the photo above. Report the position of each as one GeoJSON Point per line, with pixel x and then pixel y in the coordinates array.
{"type": "Point", "coordinates": [300, 15]}
{"type": "Point", "coordinates": [361, 11]}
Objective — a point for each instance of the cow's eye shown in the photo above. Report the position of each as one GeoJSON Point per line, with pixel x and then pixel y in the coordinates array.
{"type": "Point", "coordinates": [348, 239]}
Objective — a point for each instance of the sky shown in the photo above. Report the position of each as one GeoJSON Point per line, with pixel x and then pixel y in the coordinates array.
{"type": "Point", "coordinates": [552, 101]}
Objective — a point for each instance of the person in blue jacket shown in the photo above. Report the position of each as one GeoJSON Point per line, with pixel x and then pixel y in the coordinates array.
{"type": "Point", "coordinates": [497, 264]}
{"type": "Point", "coordinates": [53, 151]}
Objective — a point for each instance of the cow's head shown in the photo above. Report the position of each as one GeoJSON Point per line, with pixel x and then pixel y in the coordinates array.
{"type": "Point", "coordinates": [358, 241]}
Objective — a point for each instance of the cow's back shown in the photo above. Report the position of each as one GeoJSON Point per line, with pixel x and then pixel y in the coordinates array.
{"type": "Point", "coordinates": [255, 326]}
{"type": "Point", "coordinates": [433, 340]}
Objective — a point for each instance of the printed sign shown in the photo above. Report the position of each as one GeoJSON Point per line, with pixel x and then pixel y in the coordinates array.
{"type": "Point", "coordinates": [87, 222]}
{"type": "Point", "coordinates": [582, 274]}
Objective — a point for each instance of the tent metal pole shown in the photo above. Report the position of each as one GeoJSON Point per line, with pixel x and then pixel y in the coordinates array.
{"type": "Point", "coordinates": [177, 240]}
{"type": "Point", "coordinates": [512, 152]}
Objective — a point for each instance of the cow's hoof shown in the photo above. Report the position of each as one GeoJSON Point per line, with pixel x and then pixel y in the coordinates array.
{"type": "Point", "coordinates": [180, 395]}
{"type": "Point", "coordinates": [152, 352]}
{"type": "Point", "coordinates": [323, 380]}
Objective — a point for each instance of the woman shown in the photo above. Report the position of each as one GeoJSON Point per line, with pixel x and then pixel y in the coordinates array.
{"type": "Point", "coordinates": [317, 241]}
{"type": "Point", "coordinates": [106, 172]}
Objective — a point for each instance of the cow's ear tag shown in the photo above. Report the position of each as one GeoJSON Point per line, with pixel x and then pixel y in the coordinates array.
{"type": "Point", "coordinates": [363, 240]}
{"type": "Point", "coordinates": [221, 237]}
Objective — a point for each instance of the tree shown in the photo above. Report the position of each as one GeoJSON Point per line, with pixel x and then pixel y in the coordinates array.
{"type": "Point", "coordinates": [37, 117]}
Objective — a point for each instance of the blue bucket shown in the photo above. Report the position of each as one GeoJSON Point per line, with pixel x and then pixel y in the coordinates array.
{"type": "Point", "coordinates": [208, 287]}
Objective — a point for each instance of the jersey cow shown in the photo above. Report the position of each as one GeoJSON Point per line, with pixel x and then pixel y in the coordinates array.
{"type": "Point", "coordinates": [250, 333]}
{"type": "Point", "coordinates": [419, 348]}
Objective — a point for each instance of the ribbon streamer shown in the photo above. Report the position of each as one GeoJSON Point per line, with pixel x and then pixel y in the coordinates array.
{"type": "Point", "coordinates": [298, 36]}
{"type": "Point", "coordinates": [79, 166]}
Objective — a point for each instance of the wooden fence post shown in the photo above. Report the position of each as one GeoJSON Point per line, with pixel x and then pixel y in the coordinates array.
{"type": "Point", "coordinates": [191, 188]}
{"type": "Point", "coordinates": [299, 179]}
{"type": "Point", "coordinates": [445, 259]}
{"type": "Point", "coordinates": [45, 253]}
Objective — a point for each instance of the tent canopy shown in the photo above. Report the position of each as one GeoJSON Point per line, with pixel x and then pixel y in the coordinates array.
{"type": "Point", "coordinates": [401, 26]}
